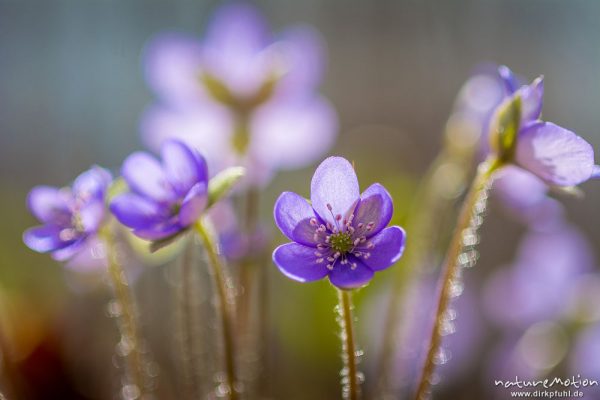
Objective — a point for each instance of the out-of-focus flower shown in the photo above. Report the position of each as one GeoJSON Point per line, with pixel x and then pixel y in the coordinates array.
{"type": "Point", "coordinates": [241, 94]}
{"type": "Point", "coordinates": [585, 354]}
{"type": "Point", "coordinates": [340, 233]}
{"type": "Point", "coordinates": [165, 199]}
{"type": "Point", "coordinates": [71, 217]}
{"type": "Point", "coordinates": [538, 286]}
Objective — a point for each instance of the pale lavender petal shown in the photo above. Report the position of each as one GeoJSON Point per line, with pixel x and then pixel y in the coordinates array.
{"type": "Point", "coordinates": [291, 135]}
{"type": "Point", "coordinates": [375, 207]}
{"type": "Point", "coordinates": [519, 188]}
{"type": "Point", "coordinates": [348, 277]}
{"type": "Point", "coordinates": [184, 167]}
{"type": "Point", "coordinates": [304, 60]}
{"type": "Point", "coordinates": [532, 97]}
{"type": "Point", "coordinates": [205, 127]}
{"type": "Point", "coordinates": [596, 172]}
{"type": "Point", "coordinates": [137, 212]}
{"type": "Point", "coordinates": [193, 204]}
{"type": "Point", "coordinates": [172, 67]}
{"type": "Point", "coordinates": [50, 205]}
{"type": "Point", "coordinates": [292, 215]}
{"type": "Point", "coordinates": [334, 185]}
{"type": "Point", "coordinates": [389, 245]}
{"type": "Point", "coordinates": [90, 258]}
{"type": "Point", "coordinates": [43, 238]}
{"type": "Point", "coordinates": [510, 81]}
{"type": "Point", "coordinates": [92, 183]}
{"type": "Point", "coordinates": [69, 251]}
{"type": "Point", "coordinates": [145, 176]}
{"type": "Point", "coordinates": [92, 215]}
{"type": "Point", "coordinates": [556, 155]}
{"type": "Point", "coordinates": [299, 262]}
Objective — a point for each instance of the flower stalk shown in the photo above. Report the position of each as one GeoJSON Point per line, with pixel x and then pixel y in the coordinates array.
{"type": "Point", "coordinates": [128, 318]}
{"type": "Point", "coordinates": [225, 307]}
{"type": "Point", "coordinates": [350, 381]}
{"type": "Point", "coordinates": [468, 221]}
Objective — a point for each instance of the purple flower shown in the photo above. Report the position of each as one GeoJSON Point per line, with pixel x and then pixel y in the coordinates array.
{"type": "Point", "coordinates": [340, 233]}
{"type": "Point", "coordinates": [71, 217]}
{"type": "Point", "coordinates": [165, 198]}
{"type": "Point", "coordinates": [241, 94]}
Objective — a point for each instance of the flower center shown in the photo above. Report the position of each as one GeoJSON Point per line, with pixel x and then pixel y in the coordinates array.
{"type": "Point", "coordinates": [341, 242]}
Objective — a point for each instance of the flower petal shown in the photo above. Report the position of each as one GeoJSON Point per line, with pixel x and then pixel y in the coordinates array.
{"type": "Point", "coordinates": [389, 245]}
{"type": "Point", "coordinates": [299, 262]}
{"type": "Point", "coordinates": [137, 212]}
{"type": "Point", "coordinates": [43, 238]}
{"type": "Point", "coordinates": [346, 277]}
{"type": "Point", "coordinates": [532, 97]}
{"type": "Point", "coordinates": [334, 185]}
{"type": "Point", "coordinates": [184, 167]}
{"type": "Point", "coordinates": [50, 205]}
{"type": "Point", "coordinates": [193, 204]}
{"type": "Point", "coordinates": [556, 155]}
{"type": "Point", "coordinates": [145, 176]}
{"type": "Point", "coordinates": [65, 253]}
{"type": "Point", "coordinates": [508, 78]}
{"type": "Point", "coordinates": [292, 215]}
{"type": "Point", "coordinates": [293, 134]}
{"type": "Point", "coordinates": [172, 67]}
{"type": "Point", "coordinates": [92, 183]}
{"type": "Point", "coordinates": [92, 215]}
{"type": "Point", "coordinates": [159, 231]}
{"type": "Point", "coordinates": [375, 206]}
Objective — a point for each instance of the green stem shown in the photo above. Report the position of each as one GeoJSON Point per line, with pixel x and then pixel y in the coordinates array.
{"type": "Point", "coordinates": [472, 207]}
{"type": "Point", "coordinates": [128, 324]}
{"type": "Point", "coordinates": [225, 304]}
{"type": "Point", "coordinates": [350, 383]}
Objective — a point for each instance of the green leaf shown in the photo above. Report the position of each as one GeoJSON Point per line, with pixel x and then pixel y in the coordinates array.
{"type": "Point", "coordinates": [223, 182]}
{"type": "Point", "coordinates": [505, 128]}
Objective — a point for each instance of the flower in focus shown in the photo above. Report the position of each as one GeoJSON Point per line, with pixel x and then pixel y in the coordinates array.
{"type": "Point", "coordinates": [241, 94]}
{"type": "Point", "coordinates": [71, 217]}
{"type": "Point", "coordinates": [165, 198]}
{"type": "Point", "coordinates": [340, 233]}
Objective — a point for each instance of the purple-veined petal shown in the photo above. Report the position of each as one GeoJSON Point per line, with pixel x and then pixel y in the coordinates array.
{"type": "Point", "coordinates": [92, 215]}
{"type": "Point", "coordinates": [159, 231]}
{"type": "Point", "coordinates": [67, 252]}
{"type": "Point", "coordinates": [145, 176]}
{"type": "Point", "coordinates": [43, 238]}
{"type": "Point", "coordinates": [389, 245]}
{"type": "Point", "coordinates": [532, 97]}
{"type": "Point", "coordinates": [184, 167]}
{"type": "Point", "coordinates": [299, 262]}
{"type": "Point", "coordinates": [334, 189]}
{"type": "Point", "coordinates": [92, 184]}
{"type": "Point", "coordinates": [205, 127]}
{"type": "Point", "coordinates": [50, 205]}
{"type": "Point", "coordinates": [375, 207]}
{"type": "Point", "coordinates": [556, 155]}
{"type": "Point", "coordinates": [292, 215]}
{"type": "Point", "coordinates": [193, 204]}
{"type": "Point", "coordinates": [172, 67]}
{"type": "Point", "coordinates": [344, 276]}
{"type": "Point", "coordinates": [293, 134]}
{"type": "Point", "coordinates": [137, 212]}
{"type": "Point", "coordinates": [304, 60]}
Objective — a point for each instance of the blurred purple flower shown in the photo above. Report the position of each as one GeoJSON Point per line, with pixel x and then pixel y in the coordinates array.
{"type": "Point", "coordinates": [538, 285]}
{"type": "Point", "coordinates": [71, 217]}
{"type": "Point", "coordinates": [165, 198]}
{"type": "Point", "coordinates": [586, 353]}
{"type": "Point", "coordinates": [340, 233]}
{"type": "Point", "coordinates": [241, 94]}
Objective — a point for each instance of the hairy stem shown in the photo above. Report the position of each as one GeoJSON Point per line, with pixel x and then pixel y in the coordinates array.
{"type": "Point", "coordinates": [225, 305]}
{"type": "Point", "coordinates": [472, 205]}
{"type": "Point", "coordinates": [350, 383]}
{"type": "Point", "coordinates": [128, 318]}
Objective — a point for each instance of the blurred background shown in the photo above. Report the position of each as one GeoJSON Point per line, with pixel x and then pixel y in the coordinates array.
{"type": "Point", "coordinates": [72, 92]}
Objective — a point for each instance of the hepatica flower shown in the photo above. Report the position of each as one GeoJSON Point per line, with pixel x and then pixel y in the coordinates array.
{"type": "Point", "coordinates": [341, 233]}
{"type": "Point", "coordinates": [241, 94]}
{"type": "Point", "coordinates": [166, 197]}
{"type": "Point", "coordinates": [71, 217]}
